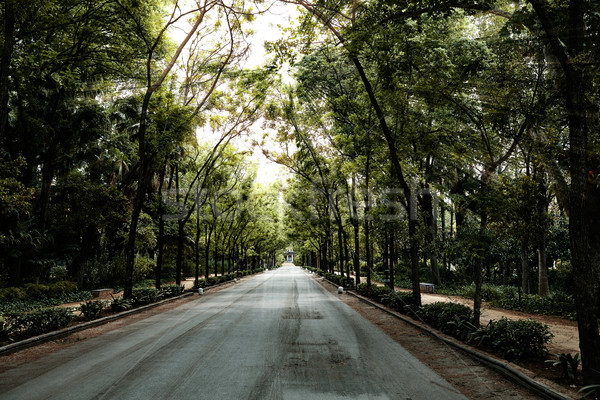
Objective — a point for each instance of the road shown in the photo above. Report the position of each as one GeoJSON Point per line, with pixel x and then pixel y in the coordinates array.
{"type": "Point", "coordinates": [278, 335]}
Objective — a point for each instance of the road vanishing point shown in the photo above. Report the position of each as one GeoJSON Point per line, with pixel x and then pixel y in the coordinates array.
{"type": "Point", "coordinates": [278, 335]}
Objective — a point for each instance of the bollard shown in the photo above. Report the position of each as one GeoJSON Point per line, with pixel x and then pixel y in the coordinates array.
{"type": "Point", "coordinates": [340, 290]}
{"type": "Point", "coordinates": [200, 291]}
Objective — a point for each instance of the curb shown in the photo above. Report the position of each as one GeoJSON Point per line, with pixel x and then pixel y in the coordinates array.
{"type": "Point", "coordinates": [47, 337]}
{"type": "Point", "coordinates": [501, 367]}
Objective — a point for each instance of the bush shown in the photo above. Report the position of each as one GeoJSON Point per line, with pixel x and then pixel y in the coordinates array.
{"type": "Point", "coordinates": [38, 322]}
{"type": "Point", "coordinates": [143, 296]}
{"type": "Point", "coordinates": [5, 329]}
{"type": "Point", "coordinates": [490, 292]}
{"type": "Point", "coordinates": [559, 304]}
{"type": "Point", "coordinates": [399, 301]}
{"type": "Point", "coordinates": [201, 283]}
{"type": "Point", "coordinates": [517, 339]}
{"type": "Point", "coordinates": [211, 281]}
{"type": "Point", "coordinates": [37, 291]}
{"type": "Point", "coordinates": [347, 282]}
{"type": "Point", "coordinates": [62, 288]}
{"type": "Point", "coordinates": [12, 294]}
{"type": "Point", "coordinates": [373, 292]}
{"type": "Point", "coordinates": [444, 316]}
{"type": "Point", "coordinates": [168, 291]}
{"type": "Point", "coordinates": [91, 309]}
{"type": "Point", "coordinates": [120, 304]}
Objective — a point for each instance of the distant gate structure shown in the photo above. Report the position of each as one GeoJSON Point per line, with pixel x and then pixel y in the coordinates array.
{"type": "Point", "coordinates": [288, 256]}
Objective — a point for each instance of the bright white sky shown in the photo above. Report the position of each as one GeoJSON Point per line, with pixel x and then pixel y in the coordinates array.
{"type": "Point", "coordinates": [266, 27]}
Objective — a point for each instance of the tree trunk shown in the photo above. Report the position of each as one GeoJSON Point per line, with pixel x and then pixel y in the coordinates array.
{"type": "Point", "coordinates": [584, 196]}
{"type": "Point", "coordinates": [543, 287]}
{"type": "Point", "coordinates": [356, 226]}
{"type": "Point", "coordinates": [524, 266]}
{"type": "Point", "coordinates": [5, 61]}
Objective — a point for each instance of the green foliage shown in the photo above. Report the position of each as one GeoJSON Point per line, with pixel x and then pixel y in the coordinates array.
{"type": "Point", "coordinates": [168, 291]}
{"type": "Point", "coordinates": [5, 329]}
{"type": "Point", "coordinates": [92, 309]}
{"type": "Point", "coordinates": [568, 363]}
{"type": "Point", "coordinates": [120, 304]}
{"type": "Point", "coordinates": [490, 292]}
{"type": "Point", "coordinates": [37, 322]}
{"type": "Point", "coordinates": [61, 288]}
{"type": "Point", "coordinates": [344, 281]}
{"type": "Point", "coordinates": [143, 296]}
{"type": "Point", "coordinates": [559, 304]}
{"type": "Point", "coordinates": [36, 291]}
{"type": "Point", "coordinates": [10, 294]}
{"type": "Point", "coordinates": [590, 391]}
{"type": "Point", "coordinates": [373, 292]}
{"type": "Point", "coordinates": [517, 339]}
{"type": "Point", "coordinates": [399, 301]}
{"type": "Point", "coordinates": [444, 315]}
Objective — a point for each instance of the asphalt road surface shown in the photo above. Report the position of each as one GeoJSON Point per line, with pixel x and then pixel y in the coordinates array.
{"type": "Point", "coordinates": [278, 335]}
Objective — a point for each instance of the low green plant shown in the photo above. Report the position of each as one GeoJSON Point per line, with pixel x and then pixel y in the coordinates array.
{"type": "Point", "coordinates": [11, 294]}
{"type": "Point", "coordinates": [91, 309]}
{"type": "Point", "coordinates": [490, 292]}
{"type": "Point", "coordinates": [36, 290]}
{"type": "Point", "coordinates": [559, 304]}
{"type": "Point", "coordinates": [37, 322]}
{"type": "Point", "coordinates": [399, 301]}
{"type": "Point", "coordinates": [568, 363]}
{"type": "Point", "coordinates": [5, 329]}
{"type": "Point", "coordinates": [590, 391]}
{"type": "Point", "coordinates": [62, 288]}
{"type": "Point", "coordinates": [143, 296]}
{"type": "Point", "coordinates": [517, 339]}
{"type": "Point", "coordinates": [443, 315]}
{"type": "Point", "coordinates": [120, 304]}
{"type": "Point", "coordinates": [168, 291]}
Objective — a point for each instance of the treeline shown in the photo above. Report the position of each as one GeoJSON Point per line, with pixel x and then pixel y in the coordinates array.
{"type": "Point", "coordinates": [450, 143]}
{"type": "Point", "coordinates": [116, 155]}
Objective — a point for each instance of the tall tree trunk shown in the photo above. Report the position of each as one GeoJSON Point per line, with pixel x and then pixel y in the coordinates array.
{"type": "Point", "coordinates": [524, 266]}
{"type": "Point", "coordinates": [5, 61]}
{"type": "Point", "coordinates": [160, 240]}
{"type": "Point", "coordinates": [481, 257]}
{"type": "Point", "coordinates": [584, 218]}
{"type": "Point", "coordinates": [431, 219]}
{"type": "Point", "coordinates": [543, 286]}
{"type": "Point", "coordinates": [391, 257]}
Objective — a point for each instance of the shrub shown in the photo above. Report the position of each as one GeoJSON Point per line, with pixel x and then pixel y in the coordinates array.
{"type": "Point", "coordinates": [10, 294]}
{"type": "Point", "coordinates": [5, 329]}
{"type": "Point", "coordinates": [490, 292]}
{"type": "Point", "coordinates": [168, 291]}
{"type": "Point", "coordinates": [399, 301]}
{"type": "Point", "coordinates": [559, 304]}
{"type": "Point", "coordinates": [517, 339]}
{"type": "Point", "coordinates": [120, 304]}
{"type": "Point", "coordinates": [91, 309]}
{"type": "Point", "coordinates": [37, 291]}
{"type": "Point", "coordinates": [38, 322]}
{"type": "Point", "coordinates": [569, 365]}
{"type": "Point", "coordinates": [62, 288]}
{"type": "Point", "coordinates": [374, 292]}
{"type": "Point", "coordinates": [211, 281]}
{"type": "Point", "coordinates": [143, 296]}
{"type": "Point", "coordinates": [444, 315]}
{"type": "Point", "coordinates": [201, 283]}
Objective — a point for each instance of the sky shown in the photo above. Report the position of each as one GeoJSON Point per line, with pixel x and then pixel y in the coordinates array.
{"type": "Point", "coordinates": [265, 27]}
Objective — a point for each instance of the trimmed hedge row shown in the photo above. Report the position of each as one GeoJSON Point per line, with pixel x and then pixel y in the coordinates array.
{"type": "Point", "coordinates": [345, 281]}
{"type": "Point", "coordinates": [510, 339]}
{"type": "Point", "coordinates": [24, 318]}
